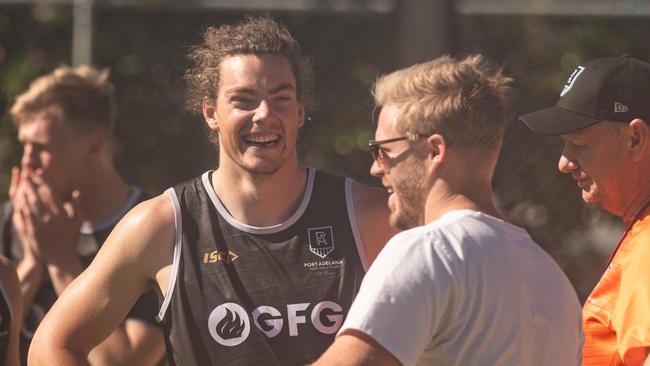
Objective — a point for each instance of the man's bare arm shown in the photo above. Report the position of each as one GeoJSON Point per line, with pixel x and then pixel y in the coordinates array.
{"type": "Point", "coordinates": [354, 348]}
{"type": "Point", "coordinates": [31, 272]}
{"type": "Point", "coordinates": [11, 285]}
{"type": "Point", "coordinates": [133, 343]}
{"type": "Point", "coordinates": [94, 304]}
{"type": "Point", "coordinates": [370, 206]}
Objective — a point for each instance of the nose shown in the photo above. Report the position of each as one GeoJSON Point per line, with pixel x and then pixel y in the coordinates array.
{"type": "Point", "coordinates": [262, 111]}
{"type": "Point", "coordinates": [566, 165]}
{"type": "Point", "coordinates": [28, 160]}
{"type": "Point", "coordinates": [376, 170]}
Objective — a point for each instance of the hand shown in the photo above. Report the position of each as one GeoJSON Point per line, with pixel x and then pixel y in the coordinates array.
{"type": "Point", "coordinates": [18, 218]}
{"type": "Point", "coordinates": [50, 225]}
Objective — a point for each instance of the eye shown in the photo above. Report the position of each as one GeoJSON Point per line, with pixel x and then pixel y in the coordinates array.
{"type": "Point", "coordinates": [283, 98]}
{"type": "Point", "coordinates": [578, 145]}
{"type": "Point", "coordinates": [36, 147]}
{"type": "Point", "coordinates": [571, 143]}
{"type": "Point", "coordinates": [241, 102]}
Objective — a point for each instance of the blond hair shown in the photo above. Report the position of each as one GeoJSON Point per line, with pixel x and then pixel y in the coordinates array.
{"type": "Point", "coordinates": [464, 101]}
{"type": "Point", "coordinates": [83, 93]}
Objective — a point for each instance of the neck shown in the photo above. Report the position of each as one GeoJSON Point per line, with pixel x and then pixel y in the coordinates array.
{"type": "Point", "coordinates": [641, 203]}
{"type": "Point", "coordinates": [467, 188]}
{"type": "Point", "coordinates": [637, 194]}
{"type": "Point", "coordinates": [260, 200]}
{"type": "Point", "coordinates": [103, 196]}
{"type": "Point", "coordinates": [442, 198]}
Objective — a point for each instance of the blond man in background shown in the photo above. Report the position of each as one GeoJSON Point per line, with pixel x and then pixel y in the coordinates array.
{"type": "Point", "coordinates": [65, 199]}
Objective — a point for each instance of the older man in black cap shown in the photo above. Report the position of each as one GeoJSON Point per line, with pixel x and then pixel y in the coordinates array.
{"type": "Point", "coordinates": [603, 116]}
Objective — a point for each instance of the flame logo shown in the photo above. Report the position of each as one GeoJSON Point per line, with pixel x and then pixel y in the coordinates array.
{"type": "Point", "coordinates": [231, 326]}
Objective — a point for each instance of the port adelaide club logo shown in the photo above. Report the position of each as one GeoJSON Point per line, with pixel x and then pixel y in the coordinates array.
{"type": "Point", "coordinates": [321, 240]}
{"type": "Point", "coordinates": [321, 243]}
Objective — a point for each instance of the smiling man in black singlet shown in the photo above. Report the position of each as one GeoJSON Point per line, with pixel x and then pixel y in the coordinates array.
{"type": "Point", "coordinates": [258, 261]}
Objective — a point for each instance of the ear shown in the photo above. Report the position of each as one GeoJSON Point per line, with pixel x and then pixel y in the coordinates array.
{"type": "Point", "coordinates": [437, 150]}
{"type": "Point", "coordinates": [639, 139]}
{"type": "Point", "coordinates": [301, 114]}
{"type": "Point", "coordinates": [96, 145]}
{"type": "Point", "coordinates": [209, 113]}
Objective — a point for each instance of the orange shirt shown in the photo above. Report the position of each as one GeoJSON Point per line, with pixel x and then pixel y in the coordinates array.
{"type": "Point", "coordinates": [617, 313]}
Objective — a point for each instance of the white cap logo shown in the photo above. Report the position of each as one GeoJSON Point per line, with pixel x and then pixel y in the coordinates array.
{"type": "Point", "coordinates": [572, 79]}
{"type": "Point", "coordinates": [620, 107]}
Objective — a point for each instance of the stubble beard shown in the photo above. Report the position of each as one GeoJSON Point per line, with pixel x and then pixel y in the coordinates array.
{"type": "Point", "coordinates": [410, 196]}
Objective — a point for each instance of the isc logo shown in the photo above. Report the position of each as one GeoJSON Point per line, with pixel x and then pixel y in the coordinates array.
{"type": "Point", "coordinates": [229, 324]}
{"type": "Point", "coordinates": [216, 256]}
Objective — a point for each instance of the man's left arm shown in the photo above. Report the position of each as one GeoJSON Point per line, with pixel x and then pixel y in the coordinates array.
{"type": "Point", "coordinates": [135, 342]}
{"type": "Point", "coordinates": [371, 209]}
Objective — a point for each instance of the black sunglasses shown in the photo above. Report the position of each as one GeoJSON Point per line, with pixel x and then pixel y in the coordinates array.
{"type": "Point", "coordinates": [377, 153]}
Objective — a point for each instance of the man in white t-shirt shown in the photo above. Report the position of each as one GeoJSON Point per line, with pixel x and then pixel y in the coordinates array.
{"type": "Point", "coordinates": [461, 286]}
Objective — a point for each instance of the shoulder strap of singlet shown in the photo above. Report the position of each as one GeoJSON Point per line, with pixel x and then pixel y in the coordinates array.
{"type": "Point", "coordinates": [237, 285]}
{"type": "Point", "coordinates": [178, 234]}
{"type": "Point", "coordinates": [354, 225]}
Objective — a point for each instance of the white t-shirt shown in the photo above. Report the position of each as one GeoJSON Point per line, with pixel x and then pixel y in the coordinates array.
{"type": "Point", "coordinates": [469, 289]}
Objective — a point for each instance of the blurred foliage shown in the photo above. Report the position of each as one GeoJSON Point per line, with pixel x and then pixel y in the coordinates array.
{"type": "Point", "coordinates": [145, 48]}
{"type": "Point", "coordinates": [161, 144]}
{"type": "Point", "coordinates": [33, 41]}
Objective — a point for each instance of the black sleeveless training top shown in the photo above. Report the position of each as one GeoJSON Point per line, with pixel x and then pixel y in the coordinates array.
{"type": "Point", "coordinates": [244, 295]}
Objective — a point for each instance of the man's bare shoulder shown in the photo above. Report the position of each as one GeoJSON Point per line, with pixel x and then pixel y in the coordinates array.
{"type": "Point", "coordinates": [146, 231]}
{"type": "Point", "coordinates": [155, 213]}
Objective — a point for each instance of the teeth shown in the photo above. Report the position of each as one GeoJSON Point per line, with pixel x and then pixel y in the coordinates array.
{"type": "Point", "coordinates": [261, 139]}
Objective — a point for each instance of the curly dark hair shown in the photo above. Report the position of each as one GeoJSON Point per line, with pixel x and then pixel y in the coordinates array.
{"type": "Point", "coordinates": [258, 35]}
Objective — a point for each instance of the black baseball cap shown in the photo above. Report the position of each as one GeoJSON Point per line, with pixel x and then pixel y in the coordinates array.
{"type": "Point", "coordinates": [610, 88]}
